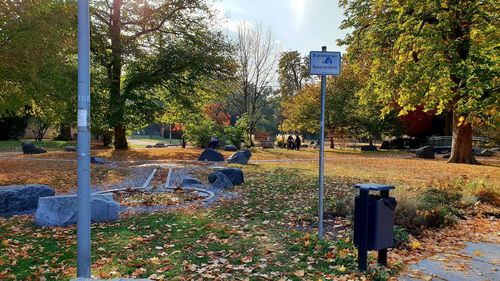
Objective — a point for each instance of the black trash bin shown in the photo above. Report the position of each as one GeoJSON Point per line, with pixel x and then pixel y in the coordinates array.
{"type": "Point", "coordinates": [373, 222]}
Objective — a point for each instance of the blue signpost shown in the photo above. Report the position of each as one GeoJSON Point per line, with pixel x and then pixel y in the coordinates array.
{"type": "Point", "coordinates": [323, 63]}
{"type": "Point", "coordinates": [83, 117]}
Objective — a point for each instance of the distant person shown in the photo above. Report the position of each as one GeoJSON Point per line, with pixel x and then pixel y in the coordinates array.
{"type": "Point", "coordinates": [290, 142]}
{"type": "Point", "coordinates": [214, 142]}
{"type": "Point", "coordinates": [297, 142]}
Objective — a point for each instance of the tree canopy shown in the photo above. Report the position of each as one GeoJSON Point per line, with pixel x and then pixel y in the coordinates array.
{"type": "Point", "coordinates": [441, 55]}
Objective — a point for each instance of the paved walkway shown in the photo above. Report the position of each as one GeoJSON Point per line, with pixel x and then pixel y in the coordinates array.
{"type": "Point", "coordinates": [476, 262]}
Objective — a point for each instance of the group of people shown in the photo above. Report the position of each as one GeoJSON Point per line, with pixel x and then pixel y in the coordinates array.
{"type": "Point", "coordinates": [293, 144]}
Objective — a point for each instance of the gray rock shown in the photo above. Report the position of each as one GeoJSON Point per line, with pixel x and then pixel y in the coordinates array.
{"type": "Point", "coordinates": [30, 148]}
{"type": "Point", "coordinates": [149, 146]}
{"type": "Point", "coordinates": [160, 145]}
{"type": "Point", "coordinates": [97, 160]}
{"type": "Point", "coordinates": [220, 180]}
{"type": "Point", "coordinates": [70, 148]}
{"type": "Point", "coordinates": [62, 210]}
{"type": "Point", "coordinates": [267, 144]}
{"type": "Point", "coordinates": [486, 153]}
{"type": "Point", "coordinates": [426, 152]}
{"type": "Point", "coordinates": [240, 157]}
{"type": "Point", "coordinates": [476, 151]}
{"type": "Point", "coordinates": [446, 156]}
{"type": "Point", "coordinates": [369, 148]}
{"type": "Point", "coordinates": [16, 198]}
{"type": "Point", "coordinates": [189, 181]}
{"type": "Point", "coordinates": [230, 147]}
{"type": "Point", "coordinates": [233, 174]}
{"type": "Point", "coordinates": [211, 155]}
{"type": "Point", "coordinates": [247, 152]}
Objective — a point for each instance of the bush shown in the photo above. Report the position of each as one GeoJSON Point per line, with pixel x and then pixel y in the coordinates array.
{"type": "Point", "coordinates": [432, 208]}
{"type": "Point", "coordinates": [488, 196]}
{"type": "Point", "coordinates": [406, 211]}
{"type": "Point", "coordinates": [201, 132]}
{"type": "Point", "coordinates": [481, 191]}
{"type": "Point", "coordinates": [401, 236]}
{"type": "Point", "coordinates": [234, 135]}
{"type": "Point", "coordinates": [438, 207]}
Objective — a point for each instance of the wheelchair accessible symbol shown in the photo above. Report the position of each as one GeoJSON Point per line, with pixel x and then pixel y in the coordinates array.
{"type": "Point", "coordinates": [328, 61]}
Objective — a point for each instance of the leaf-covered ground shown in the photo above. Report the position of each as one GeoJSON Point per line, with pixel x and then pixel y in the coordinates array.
{"type": "Point", "coordinates": [268, 233]}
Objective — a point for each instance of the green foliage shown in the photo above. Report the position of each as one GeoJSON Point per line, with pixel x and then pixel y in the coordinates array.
{"type": "Point", "coordinates": [244, 122]}
{"type": "Point", "coordinates": [200, 132]}
{"type": "Point", "coordinates": [401, 236]}
{"type": "Point", "coordinates": [432, 208]}
{"type": "Point", "coordinates": [413, 48]}
{"type": "Point", "coordinates": [438, 55]}
{"type": "Point", "coordinates": [345, 111]}
{"type": "Point", "coordinates": [234, 135]}
{"type": "Point", "coordinates": [38, 60]}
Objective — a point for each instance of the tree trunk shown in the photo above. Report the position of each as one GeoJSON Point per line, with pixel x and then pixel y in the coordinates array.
{"type": "Point", "coordinates": [461, 146]}
{"type": "Point", "coordinates": [332, 144]}
{"type": "Point", "coordinates": [117, 101]}
{"type": "Point", "coordinates": [120, 138]}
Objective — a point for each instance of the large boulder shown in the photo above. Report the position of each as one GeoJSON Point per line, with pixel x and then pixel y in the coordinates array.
{"type": "Point", "coordinates": [486, 153]}
{"type": "Point", "coordinates": [233, 174]}
{"type": "Point", "coordinates": [63, 210]}
{"type": "Point", "coordinates": [385, 145]}
{"type": "Point", "coordinates": [189, 181]}
{"type": "Point", "coordinates": [160, 145]}
{"type": "Point", "coordinates": [267, 144]}
{"type": "Point", "coordinates": [70, 148]}
{"type": "Point", "coordinates": [211, 155]}
{"type": "Point", "coordinates": [247, 152]}
{"type": "Point", "coordinates": [97, 160]}
{"type": "Point", "coordinates": [230, 147]}
{"type": "Point", "coordinates": [368, 148]}
{"type": "Point", "coordinates": [426, 152]}
{"type": "Point", "coordinates": [240, 157]}
{"type": "Point", "coordinates": [219, 180]}
{"type": "Point", "coordinates": [31, 148]}
{"type": "Point", "coordinates": [17, 198]}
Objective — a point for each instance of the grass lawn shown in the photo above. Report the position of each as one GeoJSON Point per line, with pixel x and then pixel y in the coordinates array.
{"type": "Point", "coordinates": [268, 233]}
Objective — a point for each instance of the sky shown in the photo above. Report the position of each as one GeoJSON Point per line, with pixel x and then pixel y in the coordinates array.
{"type": "Point", "coordinates": [303, 25]}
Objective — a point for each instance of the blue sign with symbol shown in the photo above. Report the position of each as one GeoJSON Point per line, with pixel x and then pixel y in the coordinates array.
{"type": "Point", "coordinates": [324, 63]}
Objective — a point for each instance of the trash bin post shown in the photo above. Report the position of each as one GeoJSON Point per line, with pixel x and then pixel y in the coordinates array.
{"type": "Point", "coordinates": [363, 227]}
{"type": "Point", "coordinates": [382, 254]}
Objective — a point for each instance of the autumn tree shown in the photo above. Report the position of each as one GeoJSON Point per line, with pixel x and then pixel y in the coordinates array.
{"type": "Point", "coordinates": [256, 56]}
{"type": "Point", "coordinates": [440, 55]}
{"type": "Point", "coordinates": [38, 61]}
{"type": "Point", "coordinates": [124, 31]}
{"type": "Point", "coordinates": [293, 71]}
{"type": "Point", "coordinates": [301, 112]}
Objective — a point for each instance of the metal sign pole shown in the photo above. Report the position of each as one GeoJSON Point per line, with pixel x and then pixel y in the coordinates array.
{"type": "Point", "coordinates": [321, 152]}
{"type": "Point", "coordinates": [83, 228]}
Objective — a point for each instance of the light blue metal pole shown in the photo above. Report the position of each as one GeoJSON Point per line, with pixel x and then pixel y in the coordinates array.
{"type": "Point", "coordinates": [83, 229]}
{"type": "Point", "coordinates": [321, 152]}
